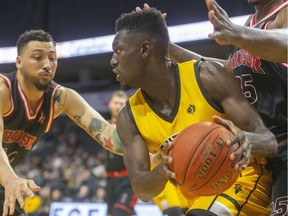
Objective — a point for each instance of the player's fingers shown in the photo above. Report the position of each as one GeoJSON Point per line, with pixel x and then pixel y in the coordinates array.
{"type": "Point", "coordinates": [20, 199]}
{"type": "Point", "coordinates": [5, 207]}
{"type": "Point", "coordinates": [11, 204]}
{"type": "Point", "coordinates": [32, 186]}
{"type": "Point", "coordinates": [209, 4]}
{"type": "Point", "coordinates": [215, 22]}
{"type": "Point", "coordinates": [226, 123]}
{"type": "Point", "coordinates": [146, 6]}
{"type": "Point", "coordinates": [216, 8]}
{"type": "Point", "coordinates": [167, 160]}
{"type": "Point", "coordinates": [170, 174]}
{"type": "Point", "coordinates": [243, 162]}
{"type": "Point", "coordinates": [242, 156]}
{"type": "Point", "coordinates": [219, 10]}
{"type": "Point", "coordinates": [137, 9]}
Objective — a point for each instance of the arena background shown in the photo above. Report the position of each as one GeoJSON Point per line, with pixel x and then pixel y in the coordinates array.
{"type": "Point", "coordinates": [67, 159]}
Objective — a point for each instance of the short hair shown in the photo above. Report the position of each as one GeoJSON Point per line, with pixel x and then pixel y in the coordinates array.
{"type": "Point", "coordinates": [119, 93]}
{"type": "Point", "coordinates": [32, 35]}
{"type": "Point", "coordinates": [148, 20]}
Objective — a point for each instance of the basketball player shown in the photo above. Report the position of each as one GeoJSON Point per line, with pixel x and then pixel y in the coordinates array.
{"type": "Point", "coordinates": [170, 98]}
{"type": "Point", "coordinates": [120, 197]}
{"type": "Point", "coordinates": [261, 71]}
{"type": "Point", "coordinates": [29, 101]}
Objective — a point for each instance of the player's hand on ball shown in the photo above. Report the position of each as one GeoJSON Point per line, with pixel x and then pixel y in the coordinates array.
{"type": "Point", "coordinates": [240, 139]}
{"type": "Point", "coordinates": [167, 160]}
{"type": "Point", "coordinates": [17, 190]}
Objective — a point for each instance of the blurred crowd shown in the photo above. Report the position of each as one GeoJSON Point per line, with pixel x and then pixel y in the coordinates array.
{"type": "Point", "coordinates": [68, 165]}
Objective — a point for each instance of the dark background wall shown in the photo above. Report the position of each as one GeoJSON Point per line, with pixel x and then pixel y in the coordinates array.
{"type": "Point", "coordinates": [76, 19]}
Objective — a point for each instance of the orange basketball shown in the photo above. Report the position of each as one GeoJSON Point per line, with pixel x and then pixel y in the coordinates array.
{"type": "Point", "coordinates": [201, 160]}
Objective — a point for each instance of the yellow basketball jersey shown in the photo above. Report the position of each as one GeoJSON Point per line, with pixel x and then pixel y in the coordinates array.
{"type": "Point", "coordinates": [192, 106]}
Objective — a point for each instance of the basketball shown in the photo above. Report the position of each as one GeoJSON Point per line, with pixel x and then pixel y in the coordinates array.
{"type": "Point", "coordinates": [201, 160]}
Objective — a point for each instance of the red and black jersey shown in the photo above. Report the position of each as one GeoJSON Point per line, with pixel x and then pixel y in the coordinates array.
{"type": "Point", "coordinates": [21, 128]}
{"type": "Point", "coordinates": [262, 82]}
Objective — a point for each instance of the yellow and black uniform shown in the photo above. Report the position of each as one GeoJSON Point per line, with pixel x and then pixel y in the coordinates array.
{"type": "Point", "coordinates": [192, 106]}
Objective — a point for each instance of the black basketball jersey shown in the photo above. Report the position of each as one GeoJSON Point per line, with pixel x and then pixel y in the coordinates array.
{"type": "Point", "coordinates": [22, 129]}
{"type": "Point", "coordinates": [262, 82]}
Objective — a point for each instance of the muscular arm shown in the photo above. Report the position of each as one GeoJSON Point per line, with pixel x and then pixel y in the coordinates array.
{"type": "Point", "coordinates": [76, 108]}
{"type": "Point", "coordinates": [223, 88]}
{"type": "Point", "coordinates": [179, 54]}
{"type": "Point", "coordinates": [4, 162]}
{"type": "Point", "coordinates": [15, 188]}
{"type": "Point", "coordinates": [146, 184]}
{"type": "Point", "coordinates": [270, 44]}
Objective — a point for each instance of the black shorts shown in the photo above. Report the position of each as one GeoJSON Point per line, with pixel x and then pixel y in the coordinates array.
{"type": "Point", "coordinates": [120, 197]}
{"type": "Point", "coordinates": [279, 198]}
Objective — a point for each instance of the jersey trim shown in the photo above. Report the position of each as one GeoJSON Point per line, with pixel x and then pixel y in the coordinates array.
{"type": "Point", "coordinates": [253, 22]}
{"type": "Point", "coordinates": [217, 107]}
{"type": "Point", "coordinates": [51, 115]}
{"type": "Point", "coordinates": [175, 108]}
{"type": "Point", "coordinates": [27, 107]}
{"type": "Point", "coordinates": [131, 116]}
{"type": "Point", "coordinates": [235, 203]}
{"type": "Point", "coordinates": [247, 199]}
{"type": "Point", "coordinates": [10, 92]}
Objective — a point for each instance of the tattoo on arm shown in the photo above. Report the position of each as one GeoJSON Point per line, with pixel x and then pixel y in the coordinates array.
{"type": "Point", "coordinates": [60, 97]}
{"type": "Point", "coordinates": [95, 125]}
{"type": "Point", "coordinates": [113, 142]}
{"type": "Point", "coordinates": [118, 145]}
{"type": "Point", "coordinates": [77, 119]}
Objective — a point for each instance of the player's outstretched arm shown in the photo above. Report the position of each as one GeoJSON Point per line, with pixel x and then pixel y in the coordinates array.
{"type": "Point", "coordinates": [179, 54]}
{"type": "Point", "coordinates": [73, 105]}
{"type": "Point", "coordinates": [270, 44]}
{"type": "Point", "coordinates": [16, 189]}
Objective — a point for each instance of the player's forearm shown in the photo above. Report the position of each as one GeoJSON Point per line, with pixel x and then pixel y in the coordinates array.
{"type": "Point", "coordinates": [264, 143]}
{"type": "Point", "coordinates": [104, 133]}
{"type": "Point", "coordinates": [149, 184]}
{"type": "Point", "coordinates": [179, 54]}
{"type": "Point", "coordinates": [7, 173]}
{"type": "Point", "coordinates": [270, 45]}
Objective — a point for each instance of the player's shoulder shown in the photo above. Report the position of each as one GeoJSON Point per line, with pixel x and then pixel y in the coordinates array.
{"type": "Point", "coordinates": [63, 91]}
{"type": "Point", "coordinates": [211, 67]}
{"type": "Point", "coordinates": [280, 21]}
{"type": "Point", "coordinates": [214, 74]}
{"type": "Point", "coordinates": [4, 84]}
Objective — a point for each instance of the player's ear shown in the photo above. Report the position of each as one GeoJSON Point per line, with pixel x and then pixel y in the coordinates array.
{"type": "Point", "coordinates": [18, 62]}
{"type": "Point", "coordinates": [145, 48]}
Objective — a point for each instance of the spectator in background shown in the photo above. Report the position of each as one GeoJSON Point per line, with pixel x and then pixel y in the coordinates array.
{"type": "Point", "coordinates": [100, 195]}
{"type": "Point", "coordinates": [119, 194]}
{"type": "Point", "coordinates": [83, 194]}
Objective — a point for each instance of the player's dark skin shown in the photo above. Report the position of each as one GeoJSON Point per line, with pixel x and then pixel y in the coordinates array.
{"type": "Point", "coordinates": [266, 44]}
{"type": "Point", "coordinates": [139, 60]}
